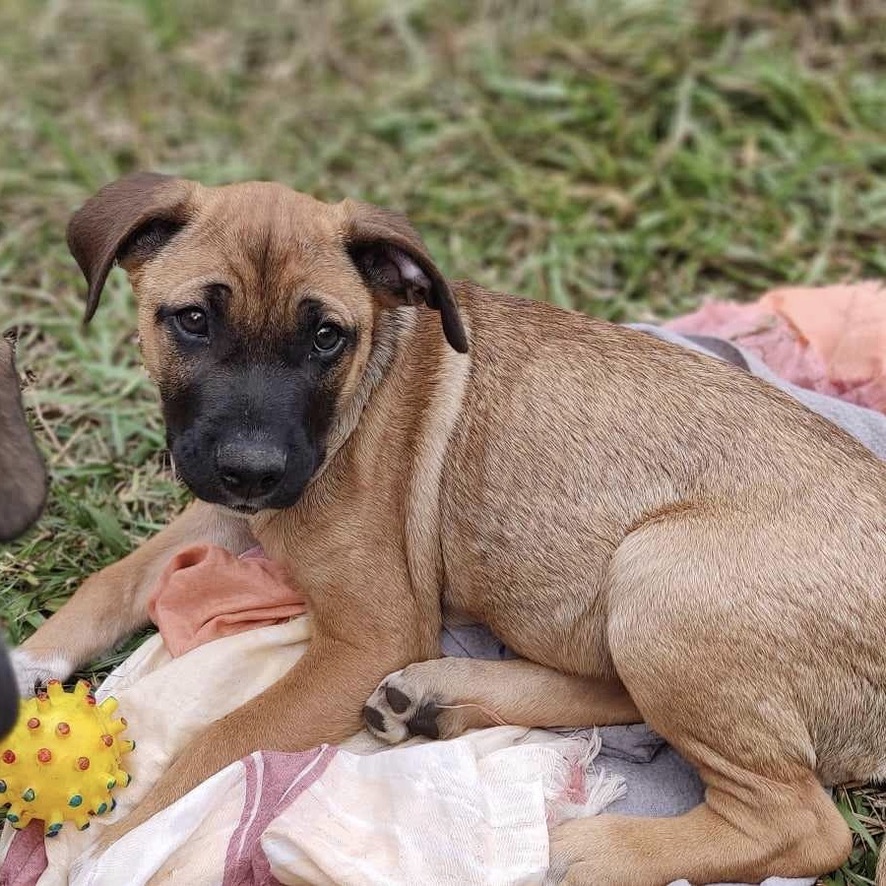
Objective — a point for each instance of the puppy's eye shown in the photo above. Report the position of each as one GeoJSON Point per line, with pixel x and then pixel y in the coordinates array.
{"type": "Point", "coordinates": [328, 340]}
{"type": "Point", "coordinates": [193, 321]}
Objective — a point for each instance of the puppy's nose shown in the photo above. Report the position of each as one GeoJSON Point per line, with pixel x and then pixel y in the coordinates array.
{"type": "Point", "coordinates": [249, 469]}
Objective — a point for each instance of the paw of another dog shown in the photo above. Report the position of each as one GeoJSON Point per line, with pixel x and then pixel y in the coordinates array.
{"type": "Point", "coordinates": [32, 673]}
{"type": "Point", "coordinates": [401, 708]}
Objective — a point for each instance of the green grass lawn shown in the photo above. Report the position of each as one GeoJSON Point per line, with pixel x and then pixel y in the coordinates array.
{"type": "Point", "coordinates": [624, 158]}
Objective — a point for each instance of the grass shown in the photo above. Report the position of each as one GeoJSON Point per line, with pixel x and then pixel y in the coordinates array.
{"type": "Point", "coordinates": [623, 158]}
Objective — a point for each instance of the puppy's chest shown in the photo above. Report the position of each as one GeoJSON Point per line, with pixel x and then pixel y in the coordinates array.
{"type": "Point", "coordinates": [313, 559]}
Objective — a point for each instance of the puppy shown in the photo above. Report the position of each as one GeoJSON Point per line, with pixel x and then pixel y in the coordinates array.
{"type": "Point", "coordinates": [659, 535]}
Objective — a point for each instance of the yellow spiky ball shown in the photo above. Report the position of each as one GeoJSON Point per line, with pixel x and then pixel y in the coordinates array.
{"type": "Point", "coordinates": [63, 759]}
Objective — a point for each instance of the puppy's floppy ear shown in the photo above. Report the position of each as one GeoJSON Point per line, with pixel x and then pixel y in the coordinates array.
{"type": "Point", "coordinates": [128, 221]}
{"type": "Point", "coordinates": [396, 267]}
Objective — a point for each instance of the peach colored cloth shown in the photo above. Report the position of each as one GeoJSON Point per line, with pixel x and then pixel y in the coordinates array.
{"type": "Point", "coordinates": [205, 592]}
{"type": "Point", "coordinates": [830, 339]}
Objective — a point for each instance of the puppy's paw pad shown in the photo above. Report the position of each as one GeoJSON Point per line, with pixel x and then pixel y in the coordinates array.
{"type": "Point", "coordinates": [399, 709]}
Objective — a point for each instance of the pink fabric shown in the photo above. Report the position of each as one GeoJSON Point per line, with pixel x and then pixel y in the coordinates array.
{"type": "Point", "coordinates": [26, 859]}
{"type": "Point", "coordinates": [205, 592]}
{"type": "Point", "coordinates": [830, 339]}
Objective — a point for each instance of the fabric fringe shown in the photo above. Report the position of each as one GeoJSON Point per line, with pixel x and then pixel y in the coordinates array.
{"type": "Point", "coordinates": [577, 788]}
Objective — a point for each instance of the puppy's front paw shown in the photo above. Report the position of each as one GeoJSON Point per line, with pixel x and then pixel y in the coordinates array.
{"type": "Point", "coordinates": [33, 672]}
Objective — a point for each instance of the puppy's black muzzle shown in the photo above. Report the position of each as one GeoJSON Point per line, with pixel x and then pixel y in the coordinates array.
{"type": "Point", "coordinates": [250, 471]}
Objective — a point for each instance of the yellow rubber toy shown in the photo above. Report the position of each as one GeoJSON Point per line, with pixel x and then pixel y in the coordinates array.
{"type": "Point", "coordinates": [63, 759]}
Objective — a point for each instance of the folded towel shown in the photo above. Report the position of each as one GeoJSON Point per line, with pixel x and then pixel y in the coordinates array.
{"type": "Point", "coordinates": [206, 592]}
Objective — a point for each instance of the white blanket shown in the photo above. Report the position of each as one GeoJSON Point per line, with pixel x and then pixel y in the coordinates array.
{"type": "Point", "coordinates": [474, 810]}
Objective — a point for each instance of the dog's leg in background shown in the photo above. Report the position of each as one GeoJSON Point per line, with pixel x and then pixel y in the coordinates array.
{"type": "Point", "coordinates": [442, 698]}
{"type": "Point", "coordinates": [22, 473]}
{"type": "Point", "coordinates": [113, 603]}
{"type": "Point", "coordinates": [23, 484]}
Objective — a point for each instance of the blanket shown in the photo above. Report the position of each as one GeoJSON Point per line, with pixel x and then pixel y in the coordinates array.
{"type": "Point", "coordinates": [829, 339]}
{"type": "Point", "coordinates": [345, 815]}
{"type": "Point", "coordinates": [472, 810]}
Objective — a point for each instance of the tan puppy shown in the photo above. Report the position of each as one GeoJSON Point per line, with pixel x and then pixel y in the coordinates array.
{"type": "Point", "coordinates": [661, 536]}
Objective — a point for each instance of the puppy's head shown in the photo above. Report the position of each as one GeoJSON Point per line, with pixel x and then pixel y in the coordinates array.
{"type": "Point", "coordinates": [259, 308]}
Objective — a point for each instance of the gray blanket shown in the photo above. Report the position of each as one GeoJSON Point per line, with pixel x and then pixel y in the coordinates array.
{"type": "Point", "coordinates": [659, 781]}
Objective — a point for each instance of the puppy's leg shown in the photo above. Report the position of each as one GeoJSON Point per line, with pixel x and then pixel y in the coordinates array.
{"type": "Point", "coordinates": [113, 603]}
{"type": "Point", "coordinates": [742, 832]}
{"type": "Point", "coordinates": [317, 702]}
{"type": "Point", "coordinates": [443, 697]}
{"type": "Point", "coordinates": [699, 631]}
